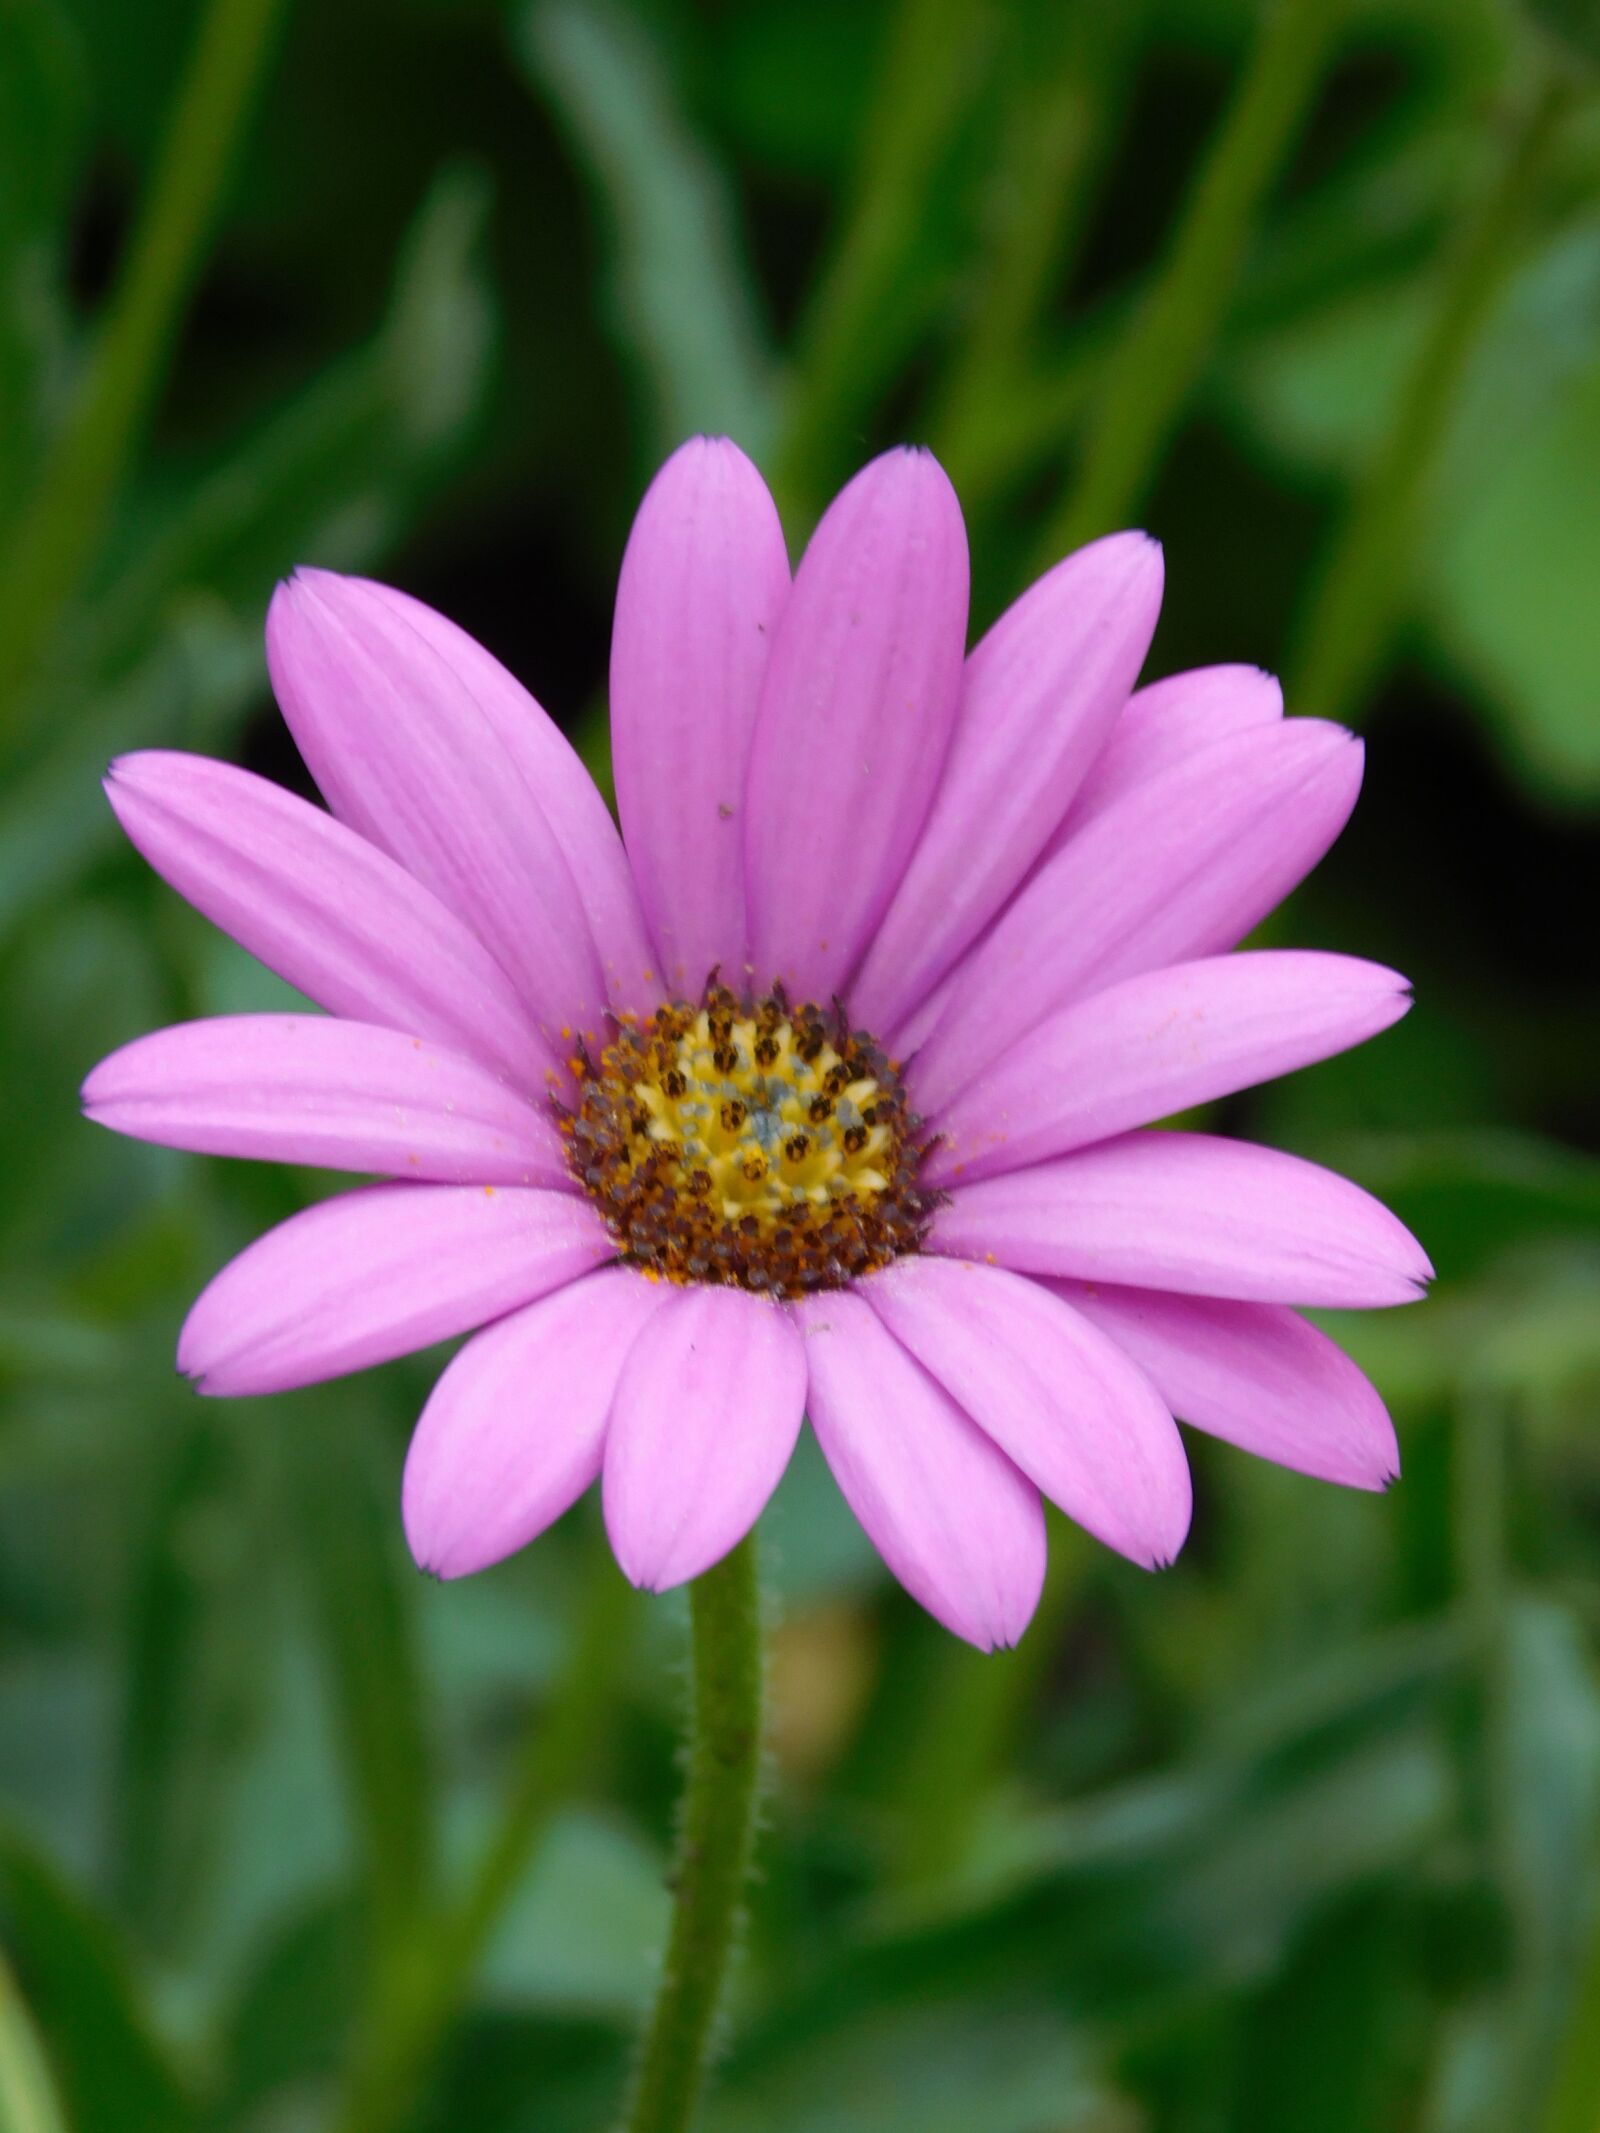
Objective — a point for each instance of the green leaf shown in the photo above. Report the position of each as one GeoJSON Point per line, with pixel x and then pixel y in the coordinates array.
{"type": "Point", "coordinates": [115, 2076]}
{"type": "Point", "coordinates": [678, 288]}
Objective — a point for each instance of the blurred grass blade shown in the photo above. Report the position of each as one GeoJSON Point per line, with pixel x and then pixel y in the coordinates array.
{"type": "Point", "coordinates": [361, 1588]}
{"type": "Point", "coordinates": [114, 2076]}
{"type": "Point", "coordinates": [28, 2099]}
{"type": "Point", "coordinates": [412, 2018]}
{"type": "Point", "coordinates": [193, 1630]}
{"type": "Point", "coordinates": [1129, 1904]}
{"type": "Point", "coordinates": [1522, 2052]}
{"type": "Point", "coordinates": [1577, 2070]}
{"type": "Point", "coordinates": [1552, 1833]}
{"type": "Point", "coordinates": [41, 136]}
{"type": "Point", "coordinates": [1066, 73]}
{"type": "Point", "coordinates": [870, 304]}
{"type": "Point", "coordinates": [336, 475]}
{"type": "Point", "coordinates": [1153, 368]}
{"type": "Point", "coordinates": [679, 283]}
{"type": "Point", "coordinates": [170, 655]}
{"type": "Point", "coordinates": [61, 528]}
{"type": "Point", "coordinates": [1346, 1980]}
{"type": "Point", "coordinates": [54, 820]}
{"type": "Point", "coordinates": [969, 1718]}
{"type": "Point", "coordinates": [938, 2065]}
{"type": "Point", "coordinates": [1361, 595]}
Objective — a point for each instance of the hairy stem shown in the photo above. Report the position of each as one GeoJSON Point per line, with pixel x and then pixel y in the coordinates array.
{"type": "Point", "coordinates": [715, 1842]}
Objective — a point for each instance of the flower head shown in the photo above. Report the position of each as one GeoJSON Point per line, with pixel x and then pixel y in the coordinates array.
{"type": "Point", "coordinates": [823, 1089]}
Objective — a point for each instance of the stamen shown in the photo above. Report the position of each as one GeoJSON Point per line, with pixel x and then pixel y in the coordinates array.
{"type": "Point", "coordinates": [749, 1143]}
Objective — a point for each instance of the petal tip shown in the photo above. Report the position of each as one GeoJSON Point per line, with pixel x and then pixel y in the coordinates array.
{"type": "Point", "coordinates": [642, 1574]}
{"type": "Point", "coordinates": [306, 597]}
{"type": "Point", "coordinates": [438, 1557]}
{"type": "Point", "coordinates": [911, 463]}
{"type": "Point", "coordinates": [1147, 547]}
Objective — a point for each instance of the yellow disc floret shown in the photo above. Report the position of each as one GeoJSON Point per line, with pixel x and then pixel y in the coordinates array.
{"type": "Point", "coordinates": [750, 1143]}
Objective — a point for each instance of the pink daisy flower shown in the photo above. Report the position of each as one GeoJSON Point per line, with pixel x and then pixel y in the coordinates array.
{"type": "Point", "coordinates": [822, 1090]}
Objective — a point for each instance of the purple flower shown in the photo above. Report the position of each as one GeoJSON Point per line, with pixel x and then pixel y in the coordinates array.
{"type": "Point", "coordinates": [821, 1090]}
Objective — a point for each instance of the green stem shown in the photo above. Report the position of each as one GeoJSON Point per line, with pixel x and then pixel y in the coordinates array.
{"type": "Point", "coordinates": [858, 324]}
{"type": "Point", "coordinates": [59, 530]}
{"type": "Point", "coordinates": [420, 1997]}
{"type": "Point", "coordinates": [715, 1843]}
{"type": "Point", "coordinates": [1153, 369]}
{"type": "Point", "coordinates": [1364, 585]}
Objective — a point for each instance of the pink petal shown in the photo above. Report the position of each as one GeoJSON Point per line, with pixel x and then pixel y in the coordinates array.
{"type": "Point", "coordinates": [1189, 1212]}
{"type": "Point", "coordinates": [344, 1095]}
{"type": "Point", "coordinates": [515, 1429]}
{"type": "Point", "coordinates": [1253, 1374]}
{"type": "Point", "coordinates": [703, 583]}
{"type": "Point", "coordinates": [1182, 866]}
{"type": "Point", "coordinates": [1058, 1398]}
{"type": "Point", "coordinates": [855, 719]}
{"type": "Point", "coordinates": [960, 1528]}
{"type": "Point", "coordinates": [704, 1420]}
{"type": "Point", "coordinates": [378, 1272]}
{"type": "Point", "coordinates": [404, 753]}
{"type": "Point", "coordinates": [1038, 699]}
{"type": "Point", "coordinates": [1156, 1044]}
{"type": "Point", "coordinates": [552, 773]}
{"type": "Point", "coordinates": [1163, 725]}
{"type": "Point", "coordinates": [323, 908]}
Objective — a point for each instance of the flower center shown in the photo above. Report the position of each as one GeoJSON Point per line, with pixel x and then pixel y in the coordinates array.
{"type": "Point", "coordinates": [761, 1145]}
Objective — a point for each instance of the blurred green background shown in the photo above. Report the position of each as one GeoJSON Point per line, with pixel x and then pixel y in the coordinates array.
{"type": "Point", "coordinates": [1303, 1834]}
